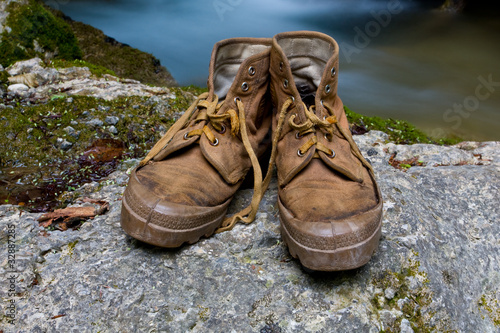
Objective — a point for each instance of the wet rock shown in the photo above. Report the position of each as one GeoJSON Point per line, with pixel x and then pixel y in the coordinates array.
{"type": "Point", "coordinates": [95, 122]}
{"type": "Point", "coordinates": [439, 254]}
{"type": "Point", "coordinates": [112, 120]}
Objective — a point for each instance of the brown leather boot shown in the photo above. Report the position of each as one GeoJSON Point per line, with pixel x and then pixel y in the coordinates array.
{"type": "Point", "coordinates": [182, 189]}
{"type": "Point", "coordinates": [330, 205]}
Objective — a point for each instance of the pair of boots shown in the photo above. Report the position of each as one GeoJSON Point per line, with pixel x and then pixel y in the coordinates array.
{"type": "Point", "coordinates": [285, 88]}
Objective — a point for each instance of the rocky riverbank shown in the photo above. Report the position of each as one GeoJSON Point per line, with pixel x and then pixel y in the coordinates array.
{"type": "Point", "coordinates": [436, 268]}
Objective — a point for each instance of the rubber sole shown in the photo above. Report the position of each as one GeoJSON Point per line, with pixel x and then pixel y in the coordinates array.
{"type": "Point", "coordinates": [139, 228]}
{"type": "Point", "coordinates": [340, 259]}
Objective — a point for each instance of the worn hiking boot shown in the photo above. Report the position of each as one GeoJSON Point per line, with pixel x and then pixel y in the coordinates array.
{"type": "Point", "coordinates": [329, 203]}
{"type": "Point", "coordinates": [182, 189]}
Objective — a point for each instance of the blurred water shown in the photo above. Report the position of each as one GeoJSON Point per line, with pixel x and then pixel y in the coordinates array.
{"type": "Point", "coordinates": [413, 63]}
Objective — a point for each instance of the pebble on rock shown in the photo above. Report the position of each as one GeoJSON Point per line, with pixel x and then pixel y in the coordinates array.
{"type": "Point", "coordinates": [17, 88]}
{"type": "Point", "coordinates": [64, 144]}
{"type": "Point", "coordinates": [112, 120]}
{"type": "Point", "coordinates": [95, 122]}
{"type": "Point", "coordinates": [112, 129]}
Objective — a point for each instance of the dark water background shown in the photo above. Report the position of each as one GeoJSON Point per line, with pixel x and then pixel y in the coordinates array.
{"type": "Point", "coordinates": [413, 63]}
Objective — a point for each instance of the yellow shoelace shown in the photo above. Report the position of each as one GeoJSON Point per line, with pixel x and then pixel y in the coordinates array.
{"type": "Point", "coordinates": [208, 112]}
{"type": "Point", "coordinates": [309, 126]}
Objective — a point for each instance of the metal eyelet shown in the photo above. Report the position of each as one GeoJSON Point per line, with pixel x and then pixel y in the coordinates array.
{"type": "Point", "coordinates": [298, 136]}
{"type": "Point", "coordinates": [237, 99]}
{"type": "Point", "coordinates": [326, 136]}
{"type": "Point", "coordinates": [328, 89]}
{"type": "Point", "coordinates": [214, 143]}
{"type": "Point", "coordinates": [299, 153]}
{"type": "Point", "coordinates": [293, 99]}
{"type": "Point", "coordinates": [332, 155]}
{"type": "Point", "coordinates": [222, 129]}
{"type": "Point", "coordinates": [244, 86]}
{"type": "Point", "coordinates": [281, 66]}
{"type": "Point", "coordinates": [285, 83]}
{"type": "Point", "coordinates": [322, 104]}
{"type": "Point", "coordinates": [186, 136]}
{"type": "Point", "coordinates": [334, 71]}
{"type": "Point", "coordinates": [251, 71]}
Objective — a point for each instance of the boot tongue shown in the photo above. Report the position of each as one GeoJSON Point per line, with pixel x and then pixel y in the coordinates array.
{"type": "Point", "coordinates": [307, 94]}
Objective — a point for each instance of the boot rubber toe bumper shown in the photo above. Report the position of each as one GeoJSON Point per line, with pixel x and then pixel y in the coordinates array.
{"type": "Point", "coordinates": [155, 221]}
{"type": "Point", "coordinates": [332, 246]}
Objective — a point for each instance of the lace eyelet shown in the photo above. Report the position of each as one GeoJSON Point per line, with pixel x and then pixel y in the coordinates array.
{"type": "Point", "coordinates": [251, 71]}
{"type": "Point", "coordinates": [298, 136]}
{"type": "Point", "coordinates": [244, 86]}
{"type": "Point", "coordinates": [222, 129]}
{"type": "Point", "coordinates": [328, 89]}
{"type": "Point", "coordinates": [186, 136]}
{"type": "Point", "coordinates": [236, 99]}
{"type": "Point", "coordinates": [281, 65]}
{"type": "Point", "coordinates": [285, 83]}
{"type": "Point", "coordinates": [299, 153]}
{"type": "Point", "coordinates": [334, 71]}
{"type": "Point", "coordinates": [214, 143]}
{"type": "Point", "coordinates": [332, 155]}
{"type": "Point", "coordinates": [293, 99]}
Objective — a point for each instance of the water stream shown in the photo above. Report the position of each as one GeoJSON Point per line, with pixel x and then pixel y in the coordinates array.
{"type": "Point", "coordinates": [438, 70]}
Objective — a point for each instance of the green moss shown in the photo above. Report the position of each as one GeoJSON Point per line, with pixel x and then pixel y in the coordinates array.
{"type": "Point", "coordinates": [31, 159]}
{"type": "Point", "coordinates": [33, 23]}
{"type": "Point", "coordinates": [97, 70]}
{"type": "Point", "coordinates": [489, 303]}
{"type": "Point", "coordinates": [399, 131]}
{"type": "Point", "coordinates": [416, 300]}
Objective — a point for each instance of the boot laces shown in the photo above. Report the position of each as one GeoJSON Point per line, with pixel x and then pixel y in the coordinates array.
{"type": "Point", "coordinates": [209, 112]}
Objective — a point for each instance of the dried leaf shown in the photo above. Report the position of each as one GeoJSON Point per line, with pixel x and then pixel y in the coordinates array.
{"type": "Point", "coordinates": [71, 216]}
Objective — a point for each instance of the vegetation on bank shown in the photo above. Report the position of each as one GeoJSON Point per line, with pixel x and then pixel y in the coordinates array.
{"type": "Point", "coordinates": [97, 70]}
{"type": "Point", "coordinates": [35, 31]}
{"type": "Point", "coordinates": [36, 167]}
{"type": "Point", "coordinates": [399, 131]}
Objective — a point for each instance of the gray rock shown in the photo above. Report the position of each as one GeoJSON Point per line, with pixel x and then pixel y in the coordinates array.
{"type": "Point", "coordinates": [17, 88]}
{"type": "Point", "coordinates": [72, 132]}
{"type": "Point", "coordinates": [112, 120]}
{"type": "Point", "coordinates": [73, 122]}
{"type": "Point", "coordinates": [36, 68]}
{"type": "Point", "coordinates": [103, 108]}
{"type": "Point", "coordinates": [439, 252]}
{"type": "Point", "coordinates": [69, 100]}
{"type": "Point", "coordinates": [112, 130]}
{"type": "Point", "coordinates": [406, 326]}
{"type": "Point", "coordinates": [95, 122]}
{"type": "Point", "coordinates": [72, 73]}
{"type": "Point", "coordinates": [69, 130]}
{"type": "Point", "coordinates": [1, 68]}
{"type": "Point", "coordinates": [64, 144]}
{"type": "Point", "coordinates": [25, 66]}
